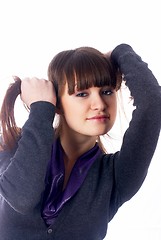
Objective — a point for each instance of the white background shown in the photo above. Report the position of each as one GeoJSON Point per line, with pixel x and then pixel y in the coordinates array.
{"type": "Point", "coordinates": [32, 32]}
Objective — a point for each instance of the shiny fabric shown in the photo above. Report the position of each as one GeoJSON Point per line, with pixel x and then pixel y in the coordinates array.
{"type": "Point", "coordinates": [54, 196]}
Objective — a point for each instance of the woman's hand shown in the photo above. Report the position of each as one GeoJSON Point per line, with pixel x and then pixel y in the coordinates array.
{"type": "Point", "coordinates": [34, 89]}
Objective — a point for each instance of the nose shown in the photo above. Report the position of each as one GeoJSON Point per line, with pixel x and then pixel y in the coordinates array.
{"type": "Point", "coordinates": [98, 103]}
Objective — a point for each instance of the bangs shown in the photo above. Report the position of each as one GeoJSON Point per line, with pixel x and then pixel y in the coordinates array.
{"type": "Point", "coordinates": [88, 67]}
{"type": "Point", "coordinates": [81, 68]}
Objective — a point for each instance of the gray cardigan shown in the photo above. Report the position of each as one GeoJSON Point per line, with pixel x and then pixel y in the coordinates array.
{"type": "Point", "coordinates": [112, 179]}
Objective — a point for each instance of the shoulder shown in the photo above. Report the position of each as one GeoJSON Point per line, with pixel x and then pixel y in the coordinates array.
{"type": "Point", "coordinates": [105, 163]}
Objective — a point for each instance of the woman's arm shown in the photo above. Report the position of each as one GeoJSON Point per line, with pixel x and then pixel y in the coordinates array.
{"type": "Point", "coordinates": [22, 180]}
{"type": "Point", "coordinates": [140, 139]}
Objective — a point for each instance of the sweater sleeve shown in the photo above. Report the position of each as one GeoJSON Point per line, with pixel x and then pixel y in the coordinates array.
{"type": "Point", "coordinates": [22, 181]}
{"type": "Point", "coordinates": [140, 139]}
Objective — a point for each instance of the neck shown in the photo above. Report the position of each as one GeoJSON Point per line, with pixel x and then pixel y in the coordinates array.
{"type": "Point", "coordinates": [74, 145]}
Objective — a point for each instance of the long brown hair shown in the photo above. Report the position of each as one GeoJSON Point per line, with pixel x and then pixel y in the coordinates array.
{"type": "Point", "coordinates": [9, 130]}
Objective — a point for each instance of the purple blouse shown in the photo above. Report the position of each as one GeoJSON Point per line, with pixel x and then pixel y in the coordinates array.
{"type": "Point", "coordinates": [54, 196]}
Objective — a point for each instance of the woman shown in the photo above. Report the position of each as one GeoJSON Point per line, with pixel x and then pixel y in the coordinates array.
{"type": "Point", "coordinates": [60, 184]}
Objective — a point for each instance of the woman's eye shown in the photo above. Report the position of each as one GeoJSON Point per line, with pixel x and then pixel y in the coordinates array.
{"type": "Point", "coordinates": [81, 94]}
{"type": "Point", "coordinates": [107, 92]}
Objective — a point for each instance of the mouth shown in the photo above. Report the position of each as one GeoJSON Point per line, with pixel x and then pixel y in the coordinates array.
{"type": "Point", "coordinates": [99, 117]}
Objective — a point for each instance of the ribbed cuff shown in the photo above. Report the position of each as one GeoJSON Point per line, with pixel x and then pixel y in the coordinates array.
{"type": "Point", "coordinates": [119, 51]}
{"type": "Point", "coordinates": [42, 110]}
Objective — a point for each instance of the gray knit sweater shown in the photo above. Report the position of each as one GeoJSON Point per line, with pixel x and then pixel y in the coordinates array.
{"type": "Point", "coordinates": [112, 179]}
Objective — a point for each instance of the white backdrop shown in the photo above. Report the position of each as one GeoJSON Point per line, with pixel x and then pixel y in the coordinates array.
{"type": "Point", "coordinates": [32, 32]}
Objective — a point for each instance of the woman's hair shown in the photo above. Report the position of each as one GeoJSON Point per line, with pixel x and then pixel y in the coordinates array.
{"type": "Point", "coordinates": [9, 130]}
{"type": "Point", "coordinates": [82, 67]}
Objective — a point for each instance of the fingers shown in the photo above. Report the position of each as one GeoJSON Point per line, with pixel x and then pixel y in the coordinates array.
{"type": "Point", "coordinates": [34, 89]}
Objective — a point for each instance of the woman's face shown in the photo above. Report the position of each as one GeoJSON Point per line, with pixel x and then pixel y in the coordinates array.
{"type": "Point", "coordinates": [90, 112]}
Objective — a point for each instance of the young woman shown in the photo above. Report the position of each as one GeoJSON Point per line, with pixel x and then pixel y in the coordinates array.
{"type": "Point", "coordinates": [59, 183]}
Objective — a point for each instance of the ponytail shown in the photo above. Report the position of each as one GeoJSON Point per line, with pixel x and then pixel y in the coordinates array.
{"type": "Point", "coordinates": [10, 132]}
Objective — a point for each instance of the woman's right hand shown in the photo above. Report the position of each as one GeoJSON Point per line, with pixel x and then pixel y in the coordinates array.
{"type": "Point", "coordinates": [34, 90]}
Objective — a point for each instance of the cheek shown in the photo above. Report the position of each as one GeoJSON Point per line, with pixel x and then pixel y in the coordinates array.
{"type": "Point", "coordinates": [113, 109]}
{"type": "Point", "coordinates": [69, 110]}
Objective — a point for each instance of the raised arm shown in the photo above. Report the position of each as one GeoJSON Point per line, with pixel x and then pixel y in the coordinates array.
{"type": "Point", "coordinates": [140, 139]}
{"type": "Point", "coordinates": [22, 175]}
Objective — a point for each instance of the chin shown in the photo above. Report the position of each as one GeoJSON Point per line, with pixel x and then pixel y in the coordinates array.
{"type": "Point", "coordinates": [103, 132]}
{"type": "Point", "coordinates": [100, 133]}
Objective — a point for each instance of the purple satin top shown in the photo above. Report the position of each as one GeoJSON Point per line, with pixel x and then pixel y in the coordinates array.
{"type": "Point", "coordinates": [54, 196]}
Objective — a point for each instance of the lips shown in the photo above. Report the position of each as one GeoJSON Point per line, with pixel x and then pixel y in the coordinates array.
{"type": "Point", "coordinates": [98, 117]}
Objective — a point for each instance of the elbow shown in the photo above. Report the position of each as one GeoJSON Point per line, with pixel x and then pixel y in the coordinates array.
{"type": "Point", "coordinates": [24, 205]}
